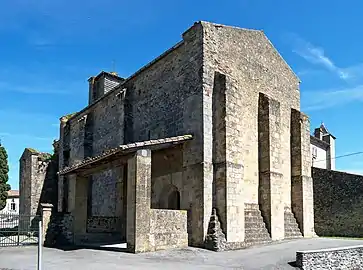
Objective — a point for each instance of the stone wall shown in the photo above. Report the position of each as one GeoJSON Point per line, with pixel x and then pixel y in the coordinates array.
{"type": "Point", "coordinates": [101, 224]}
{"type": "Point", "coordinates": [168, 228]}
{"type": "Point", "coordinates": [60, 230]}
{"type": "Point", "coordinates": [37, 181]}
{"type": "Point", "coordinates": [249, 59]}
{"type": "Point", "coordinates": [239, 66]}
{"type": "Point", "coordinates": [163, 99]}
{"type": "Point", "coordinates": [348, 258]}
{"type": "Point", "coordinates": [338, 203]}
{"type": "Point", "coordinates": [174, 95]}
{"type": "Point", "coordinates": [166, 176]}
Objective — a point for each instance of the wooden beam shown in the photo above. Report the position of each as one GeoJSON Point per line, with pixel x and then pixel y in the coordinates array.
{"type": "Point", "coordinates": [89, 170]}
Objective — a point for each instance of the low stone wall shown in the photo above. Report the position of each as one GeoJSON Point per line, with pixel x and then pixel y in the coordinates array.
{"type": "Point", "coordinates": [168, 228]}
{"type": "Point", "coordinates": [59, 232]}
{"type": "Point", "coordinates": [338, 203]}
{"type": "Point", "coordinates": [347, 258]}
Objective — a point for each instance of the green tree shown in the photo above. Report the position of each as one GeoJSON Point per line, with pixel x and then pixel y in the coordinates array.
{"type": "Point", "coordinates": [4, 170]}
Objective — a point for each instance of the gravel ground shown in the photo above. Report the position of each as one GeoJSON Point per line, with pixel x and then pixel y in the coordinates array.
{"type": "Point", "coordinates": [269, 257]}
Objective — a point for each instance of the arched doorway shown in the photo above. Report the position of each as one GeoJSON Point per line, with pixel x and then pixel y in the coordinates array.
{"type": "Point", "coordinates": [170, 198]}
{"type": "Point", "coordinates": [174, 200]}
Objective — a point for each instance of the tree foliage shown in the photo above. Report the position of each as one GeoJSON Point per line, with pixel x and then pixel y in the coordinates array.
{"type": "Point", "coordinates": [4, 170]}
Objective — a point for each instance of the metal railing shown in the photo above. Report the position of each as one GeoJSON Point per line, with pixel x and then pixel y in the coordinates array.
{"type": "Point", "coordinates": [19, 230]}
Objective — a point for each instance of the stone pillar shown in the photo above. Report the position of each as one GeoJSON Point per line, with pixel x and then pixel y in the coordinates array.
{"type": "Point", "coordinates": [270, 160]}
{"type": "Point", "coordinates": [63, 122]}
{"type": "Point", "coordinates": [139, 202]}
{"type": "Point", "coordinates": [80, 209]}
{"type": "Point", "coordinates": [301, 182]}
{"type": "Point", "coordinates": [46, 215]}
{"type": "Point", "coordinates": [72, 180]}
{"type": "Point", "coordinates": [228, 171]}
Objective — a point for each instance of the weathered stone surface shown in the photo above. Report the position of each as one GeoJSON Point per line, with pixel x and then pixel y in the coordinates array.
{"type": "Point", "coordinates": [256, 230]}
{"type": "Point", "coordinates": [99, 224]}
{"type": "Point", "coordinates": [348, 258]}
{"type": "Point", "coordinates": [208, 85]}
{"type": "Point", "coordinates": [60, 230]}
{"type": "Point", "coordinates": [215, 239]}
{"type": "Point", "coordinates": [338, 203]}
{"type": "Point", "coordinates": [150, 229]}
{"type": "Point", "coordinates": [46, 209]}
{"type": "Point", "coordinates": [168, 229]}
{"type": "Point", "coordinates": [292, 229]}
{"type": "Point", "coordinates": [228, 174]}
{"type": "Point", "coordinates": [249, 58]}
{"type": "Point", "coordinates": [270, 177]}
{"type": "Point", "coordinates": [37, 181]}
{"type": "Point", "coordinates": [301, 182]}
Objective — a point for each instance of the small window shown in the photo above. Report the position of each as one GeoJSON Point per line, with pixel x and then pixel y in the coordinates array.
{"type": "Point", "coordinates": [315, 152]}
{"type": "Point", "coordinates": [13, 206]}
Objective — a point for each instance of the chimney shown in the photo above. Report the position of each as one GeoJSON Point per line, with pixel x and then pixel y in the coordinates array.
{"type": "Point", "coordinates": [102, 84]}
{"type": "Point", "coordinates": [318, 133]}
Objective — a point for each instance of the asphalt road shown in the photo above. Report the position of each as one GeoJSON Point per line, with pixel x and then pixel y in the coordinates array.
{"type": "Point", "coordinates": [270, 257]}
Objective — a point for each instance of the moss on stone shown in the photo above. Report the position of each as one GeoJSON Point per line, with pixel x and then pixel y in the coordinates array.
{"type": "Point", "coordinates": [68, 116]}
{"type": "Point", "coordinates": [42, 156]}
{"type": "Point", "coordinates": [32, 150]}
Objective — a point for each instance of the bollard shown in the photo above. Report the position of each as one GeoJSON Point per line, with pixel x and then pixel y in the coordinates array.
{"type": "Point", "coordinates": [40, 244]}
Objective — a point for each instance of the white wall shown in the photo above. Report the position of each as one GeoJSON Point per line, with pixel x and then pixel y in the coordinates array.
{"type": "Point", "coordinates": [320, 160]}
{"type": "Point", "coordinates": [10, 203]}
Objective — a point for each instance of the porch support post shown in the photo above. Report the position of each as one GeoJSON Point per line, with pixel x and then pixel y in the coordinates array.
{"type": "Point", "coordinates": [139, 202]}
{"type": "Point", "coordinates": [80, 206]}
{"type": "Point", "coordinates": [46, 215]}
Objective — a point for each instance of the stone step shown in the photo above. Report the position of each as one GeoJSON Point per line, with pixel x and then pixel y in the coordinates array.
{"type": "Point", "coordinates": [255, 227]}
{"type": "Point", "coordinates": [259, 225]}
{"type": "Point", "coordinates": [292, 225]}
{"type": "Point", "coordinates": [256, 241]}
{"type": "Point", "coordinates": [252, 212]}
{"type": "Point", "coordinates": [257, 232]}
{"type": "Point", "coordinates": [293, 234]}
{"type": "Point", "coordinates": [292, 220]}
{"type": "Point", "coordinates": [250, 206]}
{"type": "Point", "coordinates": [287, 236]}
{"type": "Point", "coordinates": [288, 230]}
{"type": "Point", "coordinates": [253, 219]}
{"type": "Point", "coordinates": [292, 229]}
{"type": "Point", "coordinates": [257, 238]}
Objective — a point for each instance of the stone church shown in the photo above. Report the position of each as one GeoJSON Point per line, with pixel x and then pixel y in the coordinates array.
{"type": "Point", "coordinates": [204, 146]}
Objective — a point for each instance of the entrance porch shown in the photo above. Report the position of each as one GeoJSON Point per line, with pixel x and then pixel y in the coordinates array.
{"type": "Point", "coordinates": [136, 224]}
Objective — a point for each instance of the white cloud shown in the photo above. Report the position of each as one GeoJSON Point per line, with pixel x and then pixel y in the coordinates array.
{"type": "Point", "coordinates": [30, 89]}
{"type": "Point", "coordinates": [317, 56]}
{"type": "Point", "coordinates": [319, 100]}
{"type": "Point", "coordinates": [26, 136]}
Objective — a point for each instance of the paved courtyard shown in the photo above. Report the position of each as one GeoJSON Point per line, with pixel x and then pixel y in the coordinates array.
{"type": "Point", "coordinates": [275, 256]}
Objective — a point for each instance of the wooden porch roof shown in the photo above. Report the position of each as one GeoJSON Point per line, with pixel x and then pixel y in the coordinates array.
{"type": "Point", "coordinates": [123, 150]}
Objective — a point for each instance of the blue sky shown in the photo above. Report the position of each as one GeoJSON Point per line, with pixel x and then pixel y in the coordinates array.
{"type": "Point", "coordinates": [50, 48]}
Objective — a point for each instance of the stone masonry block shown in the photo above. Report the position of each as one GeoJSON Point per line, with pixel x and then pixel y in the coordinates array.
{"type": "Point", "coordinates": [301, 182]}
{"type": "Point", "coordinates": [228, 173]}
{"type": "Point", "coordinates": [139, 201]}
{"type": "Point", "coordinates": [270, 183]}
